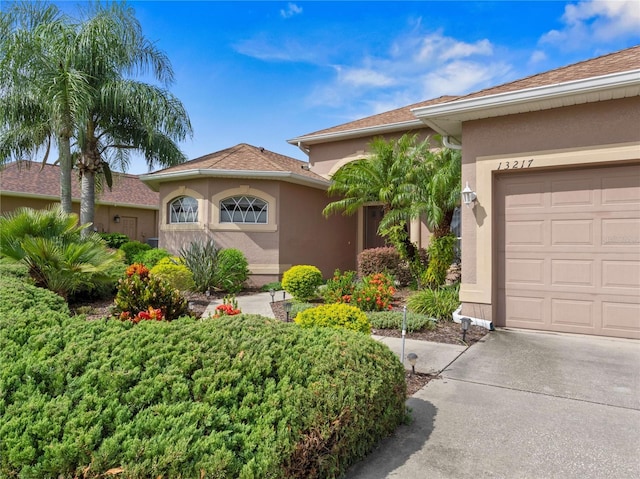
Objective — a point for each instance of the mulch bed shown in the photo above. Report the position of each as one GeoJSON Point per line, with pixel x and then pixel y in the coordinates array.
{"type": "Point", "coordinates": [445, 332]}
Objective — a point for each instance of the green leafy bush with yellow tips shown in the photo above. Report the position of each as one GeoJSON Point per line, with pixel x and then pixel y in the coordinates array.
{"type": "Point", "coordinates": [302, 281]}
{"type": "Point", "coordinates": [335, 315]}
{"type": "Point", "coordinates": [175, 272]}
{"type": "Point", "coordinates": [239, 397]}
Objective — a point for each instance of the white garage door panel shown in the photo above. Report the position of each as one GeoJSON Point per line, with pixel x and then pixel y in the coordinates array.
{"type": "Point", "coordinates": [569, 250]}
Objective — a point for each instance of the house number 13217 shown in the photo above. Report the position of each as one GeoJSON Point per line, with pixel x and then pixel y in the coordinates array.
{"type": "Point", "coordinates": [515, 164]}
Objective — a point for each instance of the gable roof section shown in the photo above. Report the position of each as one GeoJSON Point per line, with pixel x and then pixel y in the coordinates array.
{"type": "Point", "coordinates": [612, 76]}
{"type": "Point", "coordinates": [32, 179]}
{"type": "Point", "coordinates": [400, 119]}
{"type": "Point", "coordinates": [615, 75]}
{"type": "Point", "coordinates": [240, 161]}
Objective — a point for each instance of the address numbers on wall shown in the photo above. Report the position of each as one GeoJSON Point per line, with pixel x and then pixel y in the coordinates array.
{"type": "Point", "coordinates": [515, 164]}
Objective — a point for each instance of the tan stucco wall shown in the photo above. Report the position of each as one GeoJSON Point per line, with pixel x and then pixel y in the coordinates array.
{"type": "Point", "coordinates": [307, 237]}
{"type": "Point", "coordinates": [146, 219]}
{"type": "Point", "coordinates": [325, 158]}
{"type": "Point", "coordinates": [296, 232]}
{"type": "Point", "coordinates": [574, 136]}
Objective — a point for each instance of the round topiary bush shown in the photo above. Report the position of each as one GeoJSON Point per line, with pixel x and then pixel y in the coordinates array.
{"type": "Point", "coordinates": [302, 281]}
{"type": "Point", "coordinates": [175, 272]}
{"type": "Point", "coordinates": [335, 316]}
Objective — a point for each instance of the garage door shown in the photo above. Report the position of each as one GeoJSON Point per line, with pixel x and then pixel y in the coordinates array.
{"type": "Point", "coordinates": [569, 250]}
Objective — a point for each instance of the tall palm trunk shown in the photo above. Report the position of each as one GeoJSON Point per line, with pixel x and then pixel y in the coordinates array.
{"type": "Point", "coordinates": [66, 166]}
{"type": "Point", "coordinates": [90, 164]}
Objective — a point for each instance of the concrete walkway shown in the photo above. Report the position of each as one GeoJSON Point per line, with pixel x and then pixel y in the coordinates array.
{"type": "Point", "coordinates": [517, 404]}
{"type": "Point", "coordinates": [258, 303]}
{"type": "Point", "coordinates": [522, 405]}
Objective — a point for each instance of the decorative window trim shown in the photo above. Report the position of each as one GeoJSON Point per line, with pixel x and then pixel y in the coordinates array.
{"type": "Point", "coordinates": [251, 208]}
{"type": "Point", "coordinates": [165, 225]}
{"type": "Point", "coordinates": [183, 213]}
{"type": "Point", "coordinates": [243, 190]}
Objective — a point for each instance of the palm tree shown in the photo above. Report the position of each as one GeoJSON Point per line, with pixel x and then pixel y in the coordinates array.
{"type": "Point", "coordinates": [435, 191]}
{"type": "Point", "coordinates": [50, 244]}
{"type": "Point", "coordinates": [125, 115]}
{"type": "Point", "coordinates": [43, 95]}
{"type": "Point", "coordinates": [385, 177]}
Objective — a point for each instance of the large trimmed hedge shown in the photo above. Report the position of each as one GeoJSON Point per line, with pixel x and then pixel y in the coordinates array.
{"type": "Point", "coordinates": [240, 397]}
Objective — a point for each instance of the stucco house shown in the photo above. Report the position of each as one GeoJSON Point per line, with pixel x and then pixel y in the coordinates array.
{"type": "Point", "coordinates": [130, 207]}
{"type": "Point", "coordinates": [265, 204]}
{"type": "Point", "coordinates": [552, 240]}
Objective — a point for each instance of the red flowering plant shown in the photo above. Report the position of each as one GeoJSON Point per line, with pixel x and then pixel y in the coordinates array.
{"type": "Point", "coordinates": [374, 293]}
{"type": "Point", "coordinates": [229, 307]}
{"type": "Point", "coordinates": [340, 287]}
{"type": "Point", "coordinates": [143, 296]}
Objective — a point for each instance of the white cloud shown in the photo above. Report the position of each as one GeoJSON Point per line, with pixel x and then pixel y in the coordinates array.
{"type": "Point", "coordinates": [436, 47]}
{"type": "Point", "coordinates": [363, 77]}
{"type": "Point", "coordinates": [292, 9]}
{"type": "Point", "coordinates": [595, 20]}
{"type": "Point", "coordinates": [265, 48]}
{"type": "Point", "coordinates": [460, 77]}
{"type": "Point", "coordinates": [537, 57]}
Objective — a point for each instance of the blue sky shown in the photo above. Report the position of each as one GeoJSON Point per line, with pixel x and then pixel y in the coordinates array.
{"type": "Point", "coordinates": [264, 72]}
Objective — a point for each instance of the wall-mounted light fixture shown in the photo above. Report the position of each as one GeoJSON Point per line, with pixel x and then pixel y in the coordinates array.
{"type": "Point", "coordinates": [468, 196]}
{"type": "Point", "coordinates": [116, 219]}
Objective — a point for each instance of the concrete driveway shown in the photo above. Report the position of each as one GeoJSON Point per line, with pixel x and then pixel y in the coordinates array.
{"type": "Point", "coordinates": [522, 405]}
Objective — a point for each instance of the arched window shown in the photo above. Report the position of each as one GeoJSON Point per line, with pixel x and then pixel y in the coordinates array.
{"type": "Point", "coordinates": [243, 209]}
{"type": "Point", "coordinates": [183, 210]}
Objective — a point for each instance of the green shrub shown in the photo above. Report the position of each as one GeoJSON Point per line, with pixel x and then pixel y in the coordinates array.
{"type": "Point", "coordinates": [231, 270]}
{"type": "Point", "coordinates": [340, 287]}
{"type": "Point", "coordinates": [150, 257]}
{"type": "Point", "coordinates": [175, 273]}
{"type": "Point", "coordinates": [393, 320]}
{"type": "Point", "coordinates": [298, 307]}
{"type": "Point", "coordinates": [442, 252]}
{"type": "Point", "coordinates": [335, 315]}
{"type": "Point", "coordinates": [436, 303]}
{"type": "Point", "coordinates": [17, 295]}
{"type": "Point", "coordinates": [114, 240]}
{"type": "Point", "coordinates": [133, 248]}
{"type": "Point", "coordinates": [16, 270]}
{"type": "Point", "coordinates": [236, 398]}
{"type": "Point", "coordinates": [276, 286]}
{"type": "Point", "coordinates": [139, 291]}
{"type": "Point", "coordinates": [201, 260]}
{"type": "Point", "coordinates": [50, 244]}
{"type": "Point", "coordinates": [302, 281]}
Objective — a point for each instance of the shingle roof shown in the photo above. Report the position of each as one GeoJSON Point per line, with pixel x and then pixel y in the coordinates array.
{"type": "Point", "coordinates": [398, 115]}
{"type": "Point", "coordinates": [624, 60]}
{"type": "Point", "coordinates": [247, 158]}
{"type": "Point", "coordinates": [33, 179]}
{"type": "Point", "coordinates": [621, 61]}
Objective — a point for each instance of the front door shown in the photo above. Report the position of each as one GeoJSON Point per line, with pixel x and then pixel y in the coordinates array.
{"type": "Point", "coordinates": [372, 217]}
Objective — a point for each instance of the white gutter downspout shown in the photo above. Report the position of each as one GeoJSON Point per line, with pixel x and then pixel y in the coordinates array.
{"type": "Point", "coordinates": [447, 143]}
{"type": "Point", "coordinates": [457, 316]}
{"type": "Point", "coordinates": [303, 149]}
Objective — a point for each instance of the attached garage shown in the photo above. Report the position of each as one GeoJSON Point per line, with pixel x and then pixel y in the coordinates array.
{"type": "Point", "coordinates": [552, 240]}
{"type": "Point", "coordinates": [568, 250]}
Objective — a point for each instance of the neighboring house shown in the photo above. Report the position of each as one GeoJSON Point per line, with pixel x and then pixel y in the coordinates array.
{"type": "Point", "coordinates": [267, 205]}
{"type": "Point", "coordinates": [553, 240]}
{"type": "Point", "coordinates": [130, 207]}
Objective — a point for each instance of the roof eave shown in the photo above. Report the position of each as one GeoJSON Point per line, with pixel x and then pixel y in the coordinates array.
{"type": "Point", "coordinates": [355, 133]}
{"type": "Point", "coordinates": [447, 118]}
{"type": "Point", "coordinates": [99, 202]}
{"type": "Point", "coordinates": [153, 180]}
